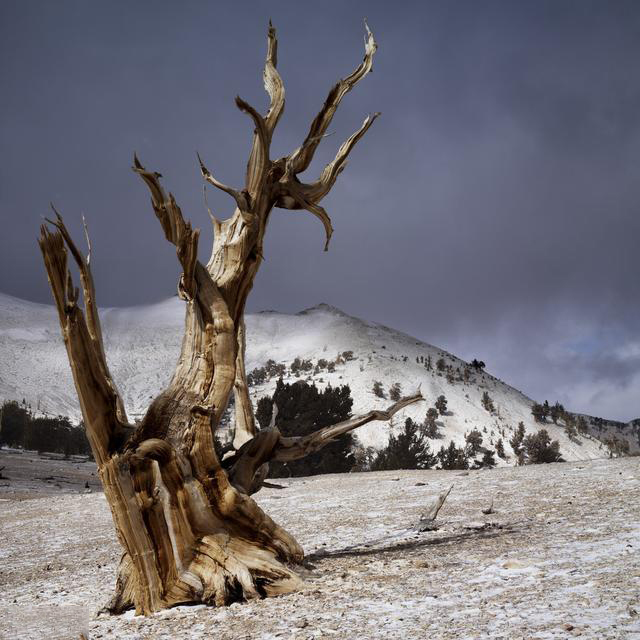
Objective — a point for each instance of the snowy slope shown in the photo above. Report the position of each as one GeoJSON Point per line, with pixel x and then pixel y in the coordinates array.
{"type": "Point", "coordinates": [143, 343]}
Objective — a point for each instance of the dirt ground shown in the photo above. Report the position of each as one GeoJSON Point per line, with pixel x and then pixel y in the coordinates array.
{"type": "Point", "coordinates": [558, 558]}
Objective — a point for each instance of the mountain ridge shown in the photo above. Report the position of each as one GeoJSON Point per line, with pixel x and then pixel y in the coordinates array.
{"type": "Point", "coordinates": [143, 342]}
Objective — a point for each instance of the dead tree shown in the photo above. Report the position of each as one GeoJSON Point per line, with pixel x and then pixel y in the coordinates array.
{"type": "Point", "coordinates": [190, 530]}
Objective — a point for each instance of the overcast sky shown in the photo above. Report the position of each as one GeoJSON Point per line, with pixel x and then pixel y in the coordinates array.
{"type": "Point", "coordinates": [493, 209]}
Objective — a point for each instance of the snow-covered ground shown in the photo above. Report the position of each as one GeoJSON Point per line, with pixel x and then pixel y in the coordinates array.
{"type": "Point", "coordinates": [143, 343]}
{"type": "Point", "coordinates": [558, 558]}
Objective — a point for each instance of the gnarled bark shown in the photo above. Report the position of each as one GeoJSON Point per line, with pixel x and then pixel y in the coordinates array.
{"type": "Point", "coordinates": [189, 528]}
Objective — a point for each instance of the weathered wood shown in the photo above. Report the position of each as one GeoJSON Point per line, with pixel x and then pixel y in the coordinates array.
{"type": "Point", "coordinates": [269, 445]}
{"type": "Point", "coordinates": [188, 526]}
{"type": "Point", "coordinates": [428, 518]}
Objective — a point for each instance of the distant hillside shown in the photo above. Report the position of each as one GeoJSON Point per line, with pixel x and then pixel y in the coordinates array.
{"type": "Point", "coordinates": [143, 343]}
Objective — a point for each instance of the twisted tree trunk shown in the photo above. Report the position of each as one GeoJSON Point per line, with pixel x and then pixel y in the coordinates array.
{"type": "Point", "coordinates": [189, 528]}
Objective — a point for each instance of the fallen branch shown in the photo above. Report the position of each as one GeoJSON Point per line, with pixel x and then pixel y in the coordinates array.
{"type": "Point", "coordinates": [427, 520]}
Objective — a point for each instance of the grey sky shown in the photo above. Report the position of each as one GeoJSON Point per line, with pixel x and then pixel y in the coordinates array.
{"type": "Point", "coordinates": [492, 209]}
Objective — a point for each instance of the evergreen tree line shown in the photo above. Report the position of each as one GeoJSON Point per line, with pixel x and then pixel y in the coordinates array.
{"type": "Point", "coordinates": [410, 449]}
{"type": "Point", "coordinates": [20, 429]}
{"type": "Point", "coordinates": [298, 367]}
{"type": "Point", "coordinates": [535, 448]}
{"type": "Point", "coordinates": [303, 409]}
{"type": "Point", "coordinates": [573, 424]}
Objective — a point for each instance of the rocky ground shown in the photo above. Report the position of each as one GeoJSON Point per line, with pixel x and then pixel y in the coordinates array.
{"type": "Point", "coordinates": [559, 557]}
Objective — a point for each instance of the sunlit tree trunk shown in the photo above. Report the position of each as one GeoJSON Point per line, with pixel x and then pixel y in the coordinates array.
{"type": "Point", "coordinates": [189, 529]}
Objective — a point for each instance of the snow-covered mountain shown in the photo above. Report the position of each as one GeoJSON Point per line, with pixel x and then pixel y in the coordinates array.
{"type": "Point", "coordinates": [142, 345]}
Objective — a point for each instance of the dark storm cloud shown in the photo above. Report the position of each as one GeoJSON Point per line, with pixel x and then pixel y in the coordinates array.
{"type": "Point", "coordinates": [492, 209]}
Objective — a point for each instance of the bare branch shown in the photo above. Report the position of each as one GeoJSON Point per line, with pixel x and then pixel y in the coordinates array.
{"type": "Point", "coordinates": [319, 189]}
{"type": "Point", "coordinates": [298, 447]}
{"type": "Point", "coordinates": [433, 511]}
{"type": "Point", "coordinates": [245, 427]}
{"type": "Point", "coordinates": [259, 157]}
{"type": "Point", "coordinates": [176, 229]}
{"type": "Point", "coordinates": [272, 81]}
{"type": "Point", "coordinates": [241, 197]}
{"type": "Point", "coordinates": [428, 519]}
{"type": "Point", "coordinates": [86, 237]}
{"type": "Point", "coordinates": [214, 221]}
{"type": "Point", "coordinates": [102, 406]}
{"type": "Point", "coordinates": [245, 467]}
{"type": "Point", "coordinates": [294, 198]}
{"type": "Point", "coordinates": [301, 158]}
{"type": "Point", "coordinates": [86, 279]}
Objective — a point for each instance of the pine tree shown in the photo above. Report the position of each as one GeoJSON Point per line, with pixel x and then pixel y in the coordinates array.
{"type": "Point", "coordinates": [430, 425]}
{"type": "Point", "coordinates": [556, 412]}
{"type": "Point", "coordinates": [487, 402]}
{"type": "Point", "coordinates": [517, 439]}
{"type": "Point", "coordinates": [302, 409]}
{"type": "Point", "coordinates": [538, 412]}
{"type": "Point", "coordinates": [500, 449]}
{"type": "Point", "coordinates": [539, 448]}
{"type": "Point", "coordinates": [582, 425]}
{"type": "Point", "coordinates": [378, 390]}
{"type": "Point", "coordinates": [395, 391]}
{"type": "Point", "coordinates": [264, 411]}
{"type": "Point", "coordinates": [408, 450]}
{"type": "Point", "coordinates": [452, 457]}
{"type": "Point", "coordinates": [570, 425]}
{"type": "Point", "coordinates": [474, 441]}
{"type": "Point", "coordinates": [441, 405]}
{"type": "Point", "coordinates": [488, 459]}
{"type": "Point", "coordinates": [13, 423]}
{"type": "Point", "coordinates": [296, 366]}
